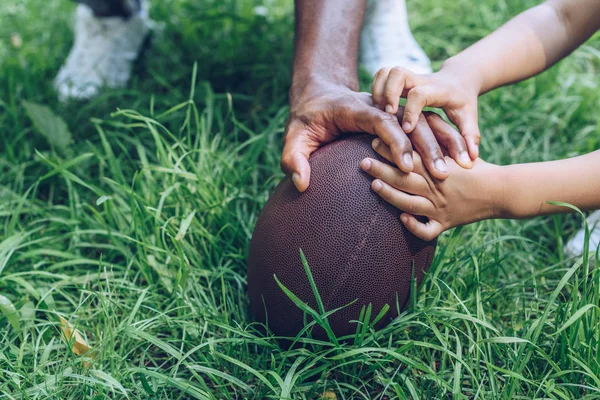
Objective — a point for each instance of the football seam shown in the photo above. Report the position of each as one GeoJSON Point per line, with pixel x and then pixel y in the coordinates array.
{"type": "Point", "coordinates": [353, 255]}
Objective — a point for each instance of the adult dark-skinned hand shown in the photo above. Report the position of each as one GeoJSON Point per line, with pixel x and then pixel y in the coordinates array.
{"type": "Point", "coordinates": [325, 102]}
{"type": "Point", "coordinates": [332, 110]}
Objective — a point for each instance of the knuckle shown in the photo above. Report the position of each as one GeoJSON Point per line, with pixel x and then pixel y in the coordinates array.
{"type": "Point", "coordinates": [399, 181]}
{"type": "Point", "coordinates": [413, 207]}
{"type": "Point", "coordinates": [384, 119]}
{"type": "Point", "coordinates": [285, 165]}
{"type": "Point", "coordinates": [430, 155]}
{"type": "Point", "coordinates": [312, 108]}
{"type": "Point", "coordinates": [401, 146]}
{"type": "Point", "coordinates": [293, 125]}
{"type": "Point", "coordinates": [286, 160]}
{"type": "Point", "coordinates": [390, 94]}
{"type": "Point", "coordinates": [418, 94]}
{"type": "Point", "coordinates": [432, 117]}
{"type": "Point", "coordinates": [375, 88]}
{"type": "Point", "coordinates": [457, 143]}
{"type": "Point", "coordinates": [433, 148]}
{"type": "Point", "coordinates": [397, 71]}
{"type": "Point", "coordinates": [412, 111]}
{"type": "Point", "coordinates": [382, 72]}
{"type": "Point", "coordinates": [428, 147]}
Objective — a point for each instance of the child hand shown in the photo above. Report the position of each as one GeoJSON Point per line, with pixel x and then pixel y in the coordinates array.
{"type": "Point", "coordinates": [446, 89]}
{"type": "Point", "coordinates": [466, 196]}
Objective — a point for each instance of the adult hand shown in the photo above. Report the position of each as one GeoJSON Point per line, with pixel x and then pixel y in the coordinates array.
{"type": "Point", "coordinates": [448, 89]}
{"type": "Point", "coordinates": [323, 111]}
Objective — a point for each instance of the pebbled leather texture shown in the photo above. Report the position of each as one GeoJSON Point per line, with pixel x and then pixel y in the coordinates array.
{"type": "Point", "coordinates": [354, 242]}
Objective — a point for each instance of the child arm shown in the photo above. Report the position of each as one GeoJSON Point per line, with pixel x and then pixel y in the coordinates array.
{"type": "Point", "coordinates": [486, 191]}
{"type": "Point", "coordinates": [525, 46]}
{"type": "Point", "coordinates": [529, 43]}
{"type": "Point", "coordinates": [529, 187]}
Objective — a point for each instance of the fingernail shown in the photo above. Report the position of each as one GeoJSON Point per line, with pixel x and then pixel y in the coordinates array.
{"type": "Point", "coordinates": [295, 178]}
{"type": "Point", "coordinates": [365, 164]}
{"type": "Point", "coordinates": [440, 165]}
{"type": "Point", "coordinates": [407, 160]}
{"type": "Point", "coordinates": [389, 109]}
{"type": "Point", "coordinates": [406, 126]}
{"type": "Point", "coordinates": [377, 185]}
{"type": "Point", "coordinates": [464, 158]}
{"type": "Point", "coordinates": [375, 143]}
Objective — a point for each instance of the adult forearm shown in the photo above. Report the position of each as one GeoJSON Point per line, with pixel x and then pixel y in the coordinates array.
{"type": "Point", "coordinates": [528, 44]}
{"type": "Point", "coordinates": [326, 43]}
{"type": "Point", "coordinates": [529, 187]}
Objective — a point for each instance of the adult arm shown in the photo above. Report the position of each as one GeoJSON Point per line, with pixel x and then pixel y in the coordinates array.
{"type": "Point", "coordinates": [324, 101]}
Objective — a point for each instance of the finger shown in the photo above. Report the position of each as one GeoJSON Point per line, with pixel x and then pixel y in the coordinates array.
{"type": "Point", "coordinates": [378, 87]}
{"type": "Point", "coordinates": [394, 87]}
{"type": "Point", "coordinates": [429, 149]}
{"type": "Point", "coordinates": [294, 158]}
{"type": "Point", "coordinates": [423, 230]}
{"type": "Point", "coordinates": [410, 183]}
{"type": "Point", "coordinates": [469, 128]}
{"type": "Point", "coordinates": [383, 149]}
{"type": "Point", "coordinates": [406, 202]}
{"type": "Point", "coordinates": [419, 166]}
{"type": "Point", "coordinates": [449, 138]}
{"type": "Point", "coordinates": [417, 99]}
{"type": "Point", "coordinates": [387, 128]}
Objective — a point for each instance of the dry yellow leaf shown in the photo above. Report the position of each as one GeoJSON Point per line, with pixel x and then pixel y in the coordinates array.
{"type": "Point", "coordinates": [329, 395]}
{"type": "Point", "coordinates": [73, 337]}
{"type": "Point", "coordinates": [16, 40]}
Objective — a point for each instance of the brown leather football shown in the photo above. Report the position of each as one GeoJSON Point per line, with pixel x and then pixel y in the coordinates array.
{"type": "Point", "coordinates": [354, 242]}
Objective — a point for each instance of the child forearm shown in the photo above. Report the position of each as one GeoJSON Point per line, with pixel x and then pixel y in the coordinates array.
{"type": "Point", "coordinates": [529, 187]}
{"type": "Point", "coordinates": [527, 44]}
{"type": "Point", "coordinates": [485, 191]}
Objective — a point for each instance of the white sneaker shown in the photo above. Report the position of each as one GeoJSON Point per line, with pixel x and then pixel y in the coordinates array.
{"type": "Point", "coordinates": [386, 39]}
{"type": "Point", "coordinates": [103, 53]}
{"type": "Point", "coordinates": [574, 247]}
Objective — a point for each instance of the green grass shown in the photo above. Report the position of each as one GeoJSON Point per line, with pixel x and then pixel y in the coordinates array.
{"type": "Point", "coordinates": [137, 229]}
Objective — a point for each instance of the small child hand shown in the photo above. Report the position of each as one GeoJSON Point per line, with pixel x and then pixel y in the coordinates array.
{"type": "Point", "coordinates": [445, 89]}
{"type": "Point", "coordinates": [466, 196]}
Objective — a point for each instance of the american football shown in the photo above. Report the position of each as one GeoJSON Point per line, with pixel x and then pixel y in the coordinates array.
{"type": "Point", "coordinates": [358, 251]}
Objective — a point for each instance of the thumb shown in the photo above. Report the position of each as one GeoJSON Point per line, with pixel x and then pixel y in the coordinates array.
{"type": "Point", "coordinates": [423, 230]}
{"type": "Point", "coordinates": [469, 129]}
{"type": "Point", "coordinates": [294, 159]}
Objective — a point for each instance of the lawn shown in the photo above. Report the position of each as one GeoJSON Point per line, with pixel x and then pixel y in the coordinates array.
{"type": "Point", "coordinates": [132, 222]}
